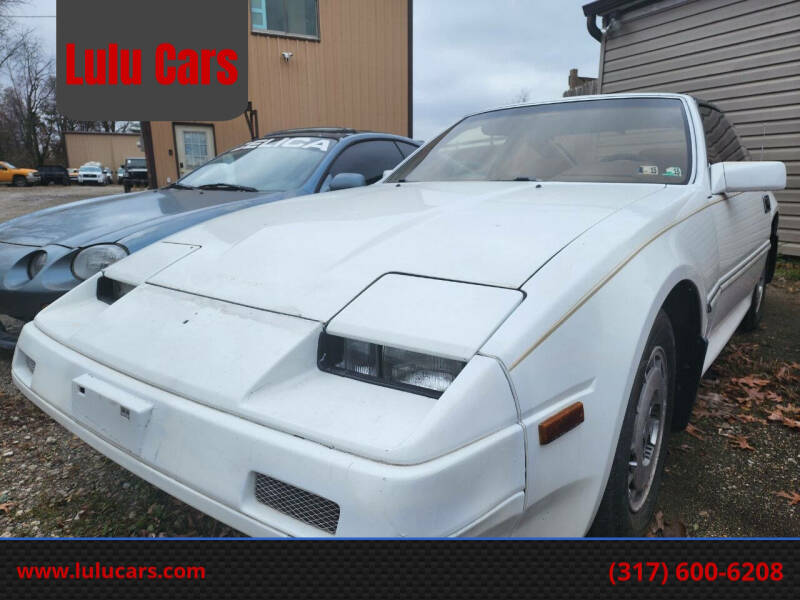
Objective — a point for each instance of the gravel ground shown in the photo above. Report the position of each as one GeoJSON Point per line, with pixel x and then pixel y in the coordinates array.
{"type": "Point", "coordinates": [52, 484]}
{"type": "Point", "coordinates": [20, 201]}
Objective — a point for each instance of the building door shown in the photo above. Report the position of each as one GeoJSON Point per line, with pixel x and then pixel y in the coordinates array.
{"type": "Point", "coordinates": [195, 146]}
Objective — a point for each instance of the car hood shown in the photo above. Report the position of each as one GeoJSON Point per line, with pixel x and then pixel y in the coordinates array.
{"type": "Point", "coordinates": [312, 256]}
{"type": "Point", "coordinates": [110, 218]}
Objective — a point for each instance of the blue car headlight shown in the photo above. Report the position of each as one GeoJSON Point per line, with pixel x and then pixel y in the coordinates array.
{"type": "Point", "coordinates": [94, 259]}
{"type": "Point", "coordinates": [36, 263]}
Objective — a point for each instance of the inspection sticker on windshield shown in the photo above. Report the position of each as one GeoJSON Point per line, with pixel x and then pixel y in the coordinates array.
{"type": "Point", "coordinates": [673, 172]}
{"type": "Point", "coordinates": [648, 170]}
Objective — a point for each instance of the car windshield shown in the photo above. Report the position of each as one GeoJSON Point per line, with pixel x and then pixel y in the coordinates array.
{"type": "Point", "coordinates": [91, 169]}
{"type": "Point", "coordinates": [9, 165]}
{"type": "Point", "coordinates": [266, 165]}
{"type": "Point", "coordinates": [136, 163]}
{"type": "Point", "coordinates": [642, 140]}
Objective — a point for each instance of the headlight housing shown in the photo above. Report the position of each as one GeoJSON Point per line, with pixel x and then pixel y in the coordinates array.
{"type": "Point", "coordinates": [94, 259]}
{"type": "Point", "coordinates": [111, 290]}
{"type": "Point", "coordinates": [384, 365]}
{"type": "Point", "coordinates": [36, 263]}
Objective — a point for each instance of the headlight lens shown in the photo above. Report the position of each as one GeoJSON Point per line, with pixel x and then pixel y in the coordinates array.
{"type": "Point", "coordinates": [94, 259]}
{"type": "Point", "coordinates": [36, 263]}
{"type": "Point", "coordinates": [393, 367]}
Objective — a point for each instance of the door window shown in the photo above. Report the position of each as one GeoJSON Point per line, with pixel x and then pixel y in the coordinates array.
{"type": "Point", "coordinates": [370, 159]}
{"type": "Point", "coordinates": [722, 143]}
{"type": "Point", "coordinates": [405, 148]}
{"type": "Point", "coordinates": [195, 148]}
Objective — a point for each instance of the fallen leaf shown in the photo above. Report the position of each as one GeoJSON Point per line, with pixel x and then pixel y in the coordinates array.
{"type": "Point", "coordinates": [676, 529]}
{"type": "Point", "coordinates": [750, 381]}
{"type": "Point", "coordinates": [785, 372]}
{"type": "Point", "coordinates": [684, 448]}
{"type": "Point", "coordinates": [775, 415]}
{"type": "Point", "coordinates": [788, 408]}
{"type": "Point", "coordinates": [793, 423]}
{"type": "Point", "coordinates": [750, 419]}
{"type": "Point", "coordinates": [738, 441]}
{"type": "Point", "coordinates": [7, 506]}
{"type": "Point", "coordinates": [664, 528]}
{"type": "Point", "coordinates": [695, 432]}
{"type": "Point", "coordinates": [703, 513]}
{"type": "Point", "coordinates": [792, 497]}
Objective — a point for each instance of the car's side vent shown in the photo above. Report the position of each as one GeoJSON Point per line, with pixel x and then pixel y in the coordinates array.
{"type": "Point", "coordinates": [110, 290]}
{"type": "Point", "coordinates": [299, 504]}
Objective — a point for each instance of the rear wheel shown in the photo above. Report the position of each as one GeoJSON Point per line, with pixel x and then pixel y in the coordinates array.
{"type": "Point", "coordinates": [632, 490]}
{"type": "Point", "coordinates": [753, 316]}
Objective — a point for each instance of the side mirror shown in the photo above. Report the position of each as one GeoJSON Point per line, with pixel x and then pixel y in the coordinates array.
{"type": "Point", "coordinates": [344, 181]}
{"type": "Point", "coordinates": [756, 176]}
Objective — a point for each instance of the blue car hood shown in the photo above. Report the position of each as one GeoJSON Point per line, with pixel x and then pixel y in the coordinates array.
{"type": "Point", "coordinates": [112, 218]}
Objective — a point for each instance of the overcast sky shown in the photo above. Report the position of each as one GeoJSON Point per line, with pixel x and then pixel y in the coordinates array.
{"type": "Point", "coordinates": [468, 54]}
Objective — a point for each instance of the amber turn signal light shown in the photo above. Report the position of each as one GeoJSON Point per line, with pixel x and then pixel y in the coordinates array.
{"type": "Point", "coordinates": [560, 423]}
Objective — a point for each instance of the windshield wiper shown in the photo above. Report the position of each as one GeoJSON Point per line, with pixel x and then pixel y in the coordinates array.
{"type": "Point", "coordinates": [227, 186]}
{"type": "Point", "coordinates": [179, 186]}
{"type": "Point", "coordinates": [525, 178]}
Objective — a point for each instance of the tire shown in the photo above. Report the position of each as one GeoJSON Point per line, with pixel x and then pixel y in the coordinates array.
{"type": "Point", "coordinates": [19, 181]}
{"type": "Point", "coordinates": [753, 317]}
{"type": "Point", "coordinates": [631, 493]}
{"type": "Point", "coordinates": [127, 189]}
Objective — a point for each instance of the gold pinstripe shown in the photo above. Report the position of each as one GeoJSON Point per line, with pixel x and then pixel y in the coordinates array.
{"type": "Point", "coordinates": [599, 285]}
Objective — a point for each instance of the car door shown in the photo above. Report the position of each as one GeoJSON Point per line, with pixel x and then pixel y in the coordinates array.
{"type": "Point", "coordinates": [5, 177]}
{"type": "Point", "coordinates": [370, 158]}
{"type": "Point", "coordinates": [742, 222]}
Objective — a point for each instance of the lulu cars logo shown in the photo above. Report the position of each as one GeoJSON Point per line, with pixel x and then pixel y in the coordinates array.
{"type": "Point", "coordinates": [152, 60]}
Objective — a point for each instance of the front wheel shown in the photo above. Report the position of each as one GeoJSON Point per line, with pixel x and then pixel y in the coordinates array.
{"type": "Point", "coordinates": [630, 496]}
{"type": "Point", "coordinates": [19, 181]}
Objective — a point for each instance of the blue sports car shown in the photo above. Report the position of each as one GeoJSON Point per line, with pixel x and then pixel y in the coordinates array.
{"type": "Point", "coordinates": [45, 254]}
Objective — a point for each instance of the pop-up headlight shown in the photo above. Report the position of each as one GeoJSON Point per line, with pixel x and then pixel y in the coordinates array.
{"type": "Point", "coordinates": [383, 365]}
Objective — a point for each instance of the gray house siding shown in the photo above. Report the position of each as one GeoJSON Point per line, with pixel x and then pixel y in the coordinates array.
{"type": "Point", "coordinates": [743, 55]}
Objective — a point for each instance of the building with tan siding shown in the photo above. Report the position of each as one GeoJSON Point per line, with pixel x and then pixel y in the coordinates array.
{"type": "Point", "coordinates": [311, 63]}
{"type": "Point", "coordinates": [742, 55]}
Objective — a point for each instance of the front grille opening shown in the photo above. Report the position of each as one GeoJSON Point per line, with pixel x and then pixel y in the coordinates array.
{"type": "Point", "coordinates": [30, 364]}
{"type": "Point", "coordinates": [299, 504]}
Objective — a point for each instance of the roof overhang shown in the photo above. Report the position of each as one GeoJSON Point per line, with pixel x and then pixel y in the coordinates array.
{"type": "Point", "coordinates": [606, 7]}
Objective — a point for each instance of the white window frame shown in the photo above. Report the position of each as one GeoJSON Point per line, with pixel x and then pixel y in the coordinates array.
{"type": "Point", "coordinates": [262, 10]}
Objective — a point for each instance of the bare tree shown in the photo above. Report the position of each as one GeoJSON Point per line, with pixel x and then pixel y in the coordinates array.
{"type": "Point", "coordinates": [30, 100]}
{"type": "Point", "coordinates": [522, 96]}
{"type": "Point", "coordinates": [11, 37]}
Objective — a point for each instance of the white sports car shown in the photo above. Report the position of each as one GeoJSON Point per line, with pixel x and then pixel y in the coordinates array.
{"type": "Point", "coordinates": [496, 340]}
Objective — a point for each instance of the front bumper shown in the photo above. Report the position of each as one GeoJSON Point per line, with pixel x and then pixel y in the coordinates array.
{"type": "Point", "coordinates": [209, 459]}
